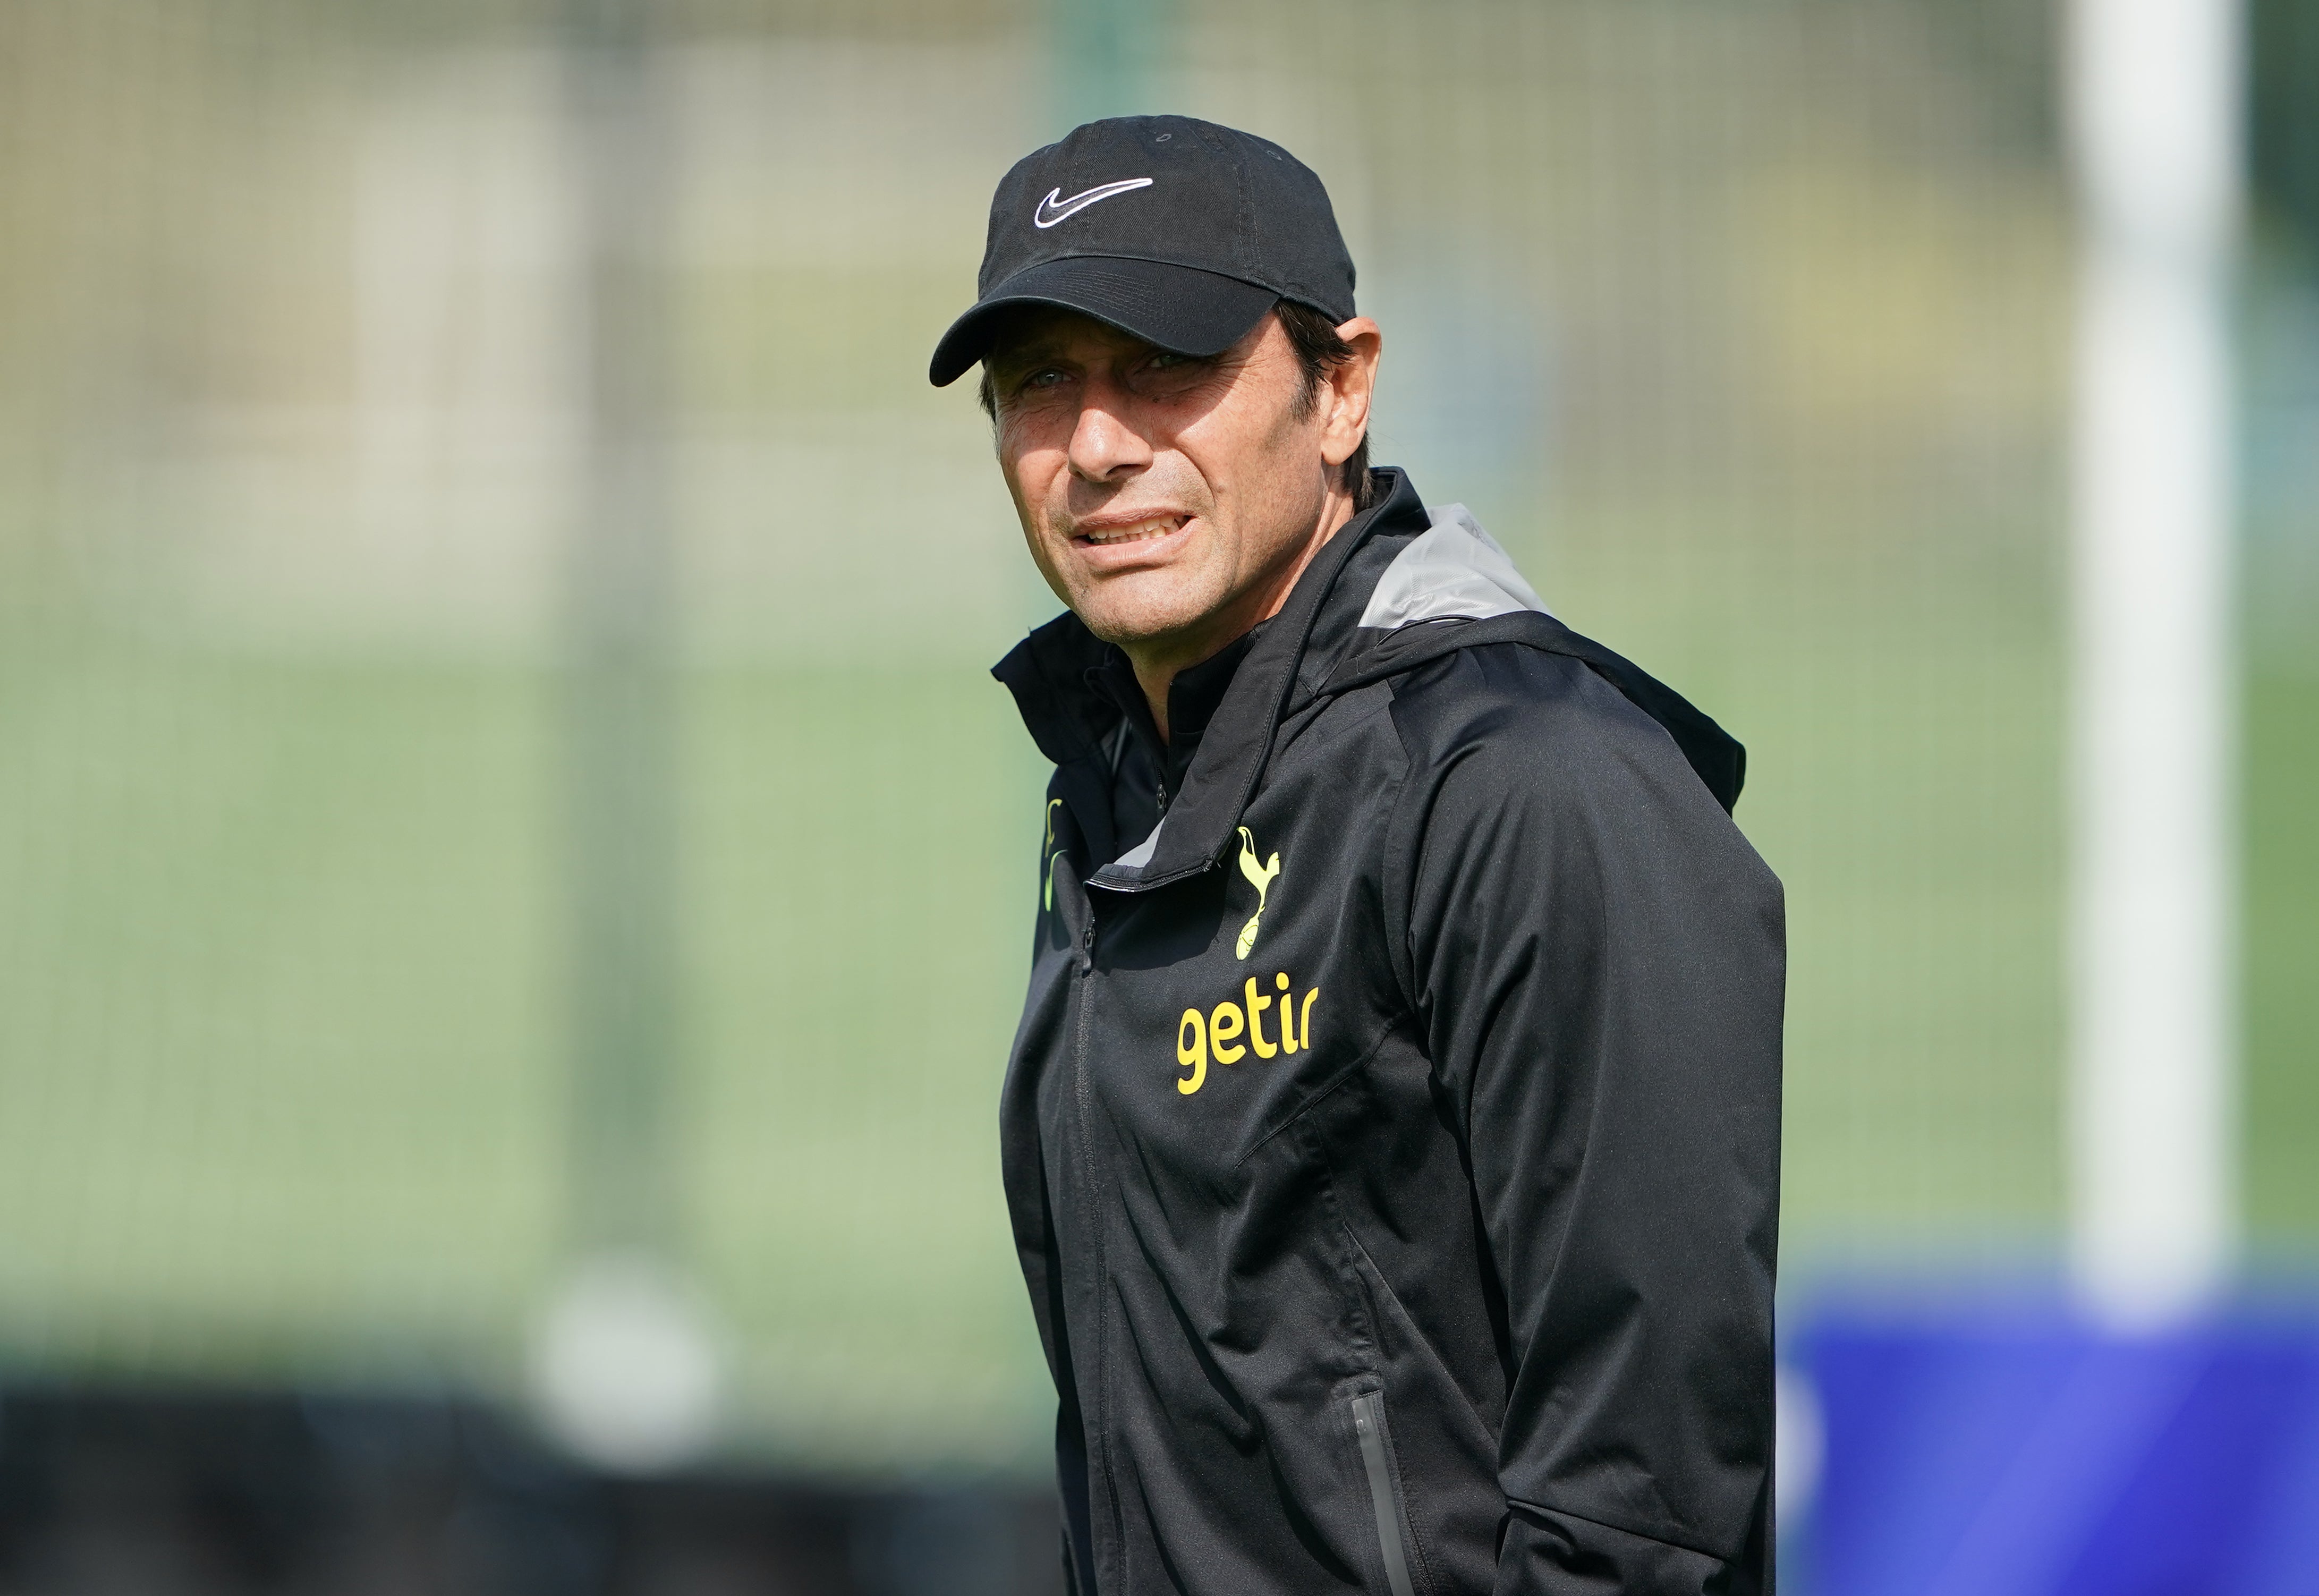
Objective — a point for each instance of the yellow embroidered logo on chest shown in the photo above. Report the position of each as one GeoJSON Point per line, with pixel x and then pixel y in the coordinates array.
{"type": "Point", "coordinates": [1217, 1033]}
{"type": "Point", "coordinates": [1047, 893]}
{"type": "Point", "coordinates": [1260, 877]}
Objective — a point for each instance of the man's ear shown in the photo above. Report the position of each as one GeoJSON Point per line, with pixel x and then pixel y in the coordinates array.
{"type": "Point", "coordinates": [1346, 391]}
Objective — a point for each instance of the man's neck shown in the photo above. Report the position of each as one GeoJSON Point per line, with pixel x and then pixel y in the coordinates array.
{"type": "Point", "coordinates": [1159, 662]}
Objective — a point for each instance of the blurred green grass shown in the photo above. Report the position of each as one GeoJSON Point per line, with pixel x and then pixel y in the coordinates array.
{"type": "Point", "coordinates": [2282, 961]}
{"type": "Point", "coordinates": [280, 1030]}
{"type": "Point", "coordinates": [276, 1075]}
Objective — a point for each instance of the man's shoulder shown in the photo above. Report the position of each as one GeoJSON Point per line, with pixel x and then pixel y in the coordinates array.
{"type": "Point", "coordinates": [1508, 696]}
{"type": "Point", "coordinates": [1517, 753]}
{"type": "Point", "coordinates": [1523, 683]}
{"type": "Point", "coordinates": [1513, 721]}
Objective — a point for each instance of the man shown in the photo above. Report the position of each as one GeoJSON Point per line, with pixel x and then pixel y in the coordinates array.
{"type": "Point", "coordinates": [1392, 1135]}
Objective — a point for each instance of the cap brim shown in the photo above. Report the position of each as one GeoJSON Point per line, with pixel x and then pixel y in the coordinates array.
{"type": "Point", "coordinates": [1176, 307]}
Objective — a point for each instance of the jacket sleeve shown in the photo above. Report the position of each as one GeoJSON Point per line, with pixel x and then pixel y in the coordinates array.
{"type": "Point", "coordinates": [1597, 959]}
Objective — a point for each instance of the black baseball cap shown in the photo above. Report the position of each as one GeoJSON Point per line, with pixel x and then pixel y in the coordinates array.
{"type": "Point", "coordinates": [1180, 231]}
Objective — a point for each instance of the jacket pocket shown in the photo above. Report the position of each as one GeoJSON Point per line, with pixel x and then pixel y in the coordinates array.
{"type": "Point", "coordinates": [1392, 1518]}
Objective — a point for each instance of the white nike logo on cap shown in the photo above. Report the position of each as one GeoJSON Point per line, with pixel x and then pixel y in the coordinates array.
{"type": "Point", "coordinates": [1054, 208]}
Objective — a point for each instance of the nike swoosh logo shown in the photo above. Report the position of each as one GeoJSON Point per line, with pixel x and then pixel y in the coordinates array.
{"type": "Point", "coordinates": [1054, 208]}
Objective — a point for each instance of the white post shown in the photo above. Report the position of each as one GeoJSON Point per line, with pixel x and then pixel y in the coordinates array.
{"type": "Point", "coordinates": [2151, 1112]}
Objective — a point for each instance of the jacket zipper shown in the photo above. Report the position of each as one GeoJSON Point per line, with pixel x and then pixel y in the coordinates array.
{"type": "Point", "coordinates": [1384, 1500]}
{"type": "Point", "coordinates": [1084, 1090]}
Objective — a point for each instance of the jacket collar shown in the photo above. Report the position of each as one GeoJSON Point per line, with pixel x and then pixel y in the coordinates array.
{"type": "Point", "coordinates": [1070, 721]}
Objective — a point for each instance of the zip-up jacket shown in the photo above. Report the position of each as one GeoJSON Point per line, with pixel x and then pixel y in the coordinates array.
{"type": "Point", "coordinates": [1392, 1135]}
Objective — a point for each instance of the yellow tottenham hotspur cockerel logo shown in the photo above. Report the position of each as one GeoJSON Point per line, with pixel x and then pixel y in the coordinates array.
{"type": "Point", "coordinates": [1260, 877]}
{"type": "Point", "coordinates": [1047, 897]}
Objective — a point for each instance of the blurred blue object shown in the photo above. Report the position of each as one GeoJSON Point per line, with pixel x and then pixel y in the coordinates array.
{"type": "Point", "coordinates": [2012, 1450]}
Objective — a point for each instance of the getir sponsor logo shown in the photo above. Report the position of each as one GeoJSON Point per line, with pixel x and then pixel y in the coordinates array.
{"type": "Point", "coordinates": [1218, 1033]}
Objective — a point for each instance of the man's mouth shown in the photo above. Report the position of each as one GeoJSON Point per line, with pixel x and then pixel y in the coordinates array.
{"type": "Point", "coordinates": [1117, 533]}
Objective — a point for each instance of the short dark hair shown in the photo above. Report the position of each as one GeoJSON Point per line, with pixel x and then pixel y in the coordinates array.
{"type": "Point", "coordinates": [1318, 350]}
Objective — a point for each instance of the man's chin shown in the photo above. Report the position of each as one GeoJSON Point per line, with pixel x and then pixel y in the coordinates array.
{"type": "Point", "coordinates": [1147, 607]}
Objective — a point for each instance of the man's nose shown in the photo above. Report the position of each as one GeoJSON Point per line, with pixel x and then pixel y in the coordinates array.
{"type": "Point", "coordinates": [1103, 445]}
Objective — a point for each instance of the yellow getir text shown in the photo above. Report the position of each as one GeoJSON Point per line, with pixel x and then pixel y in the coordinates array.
{"type": "Point", "coordinates": [1214, 1034]}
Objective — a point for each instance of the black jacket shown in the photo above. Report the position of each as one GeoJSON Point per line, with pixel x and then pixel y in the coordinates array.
{"type": "Point", "coordinates": [1392, 1137]}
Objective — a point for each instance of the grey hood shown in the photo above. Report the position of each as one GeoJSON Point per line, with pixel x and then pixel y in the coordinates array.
{"type": "Point", "coordinates": [1452, 571]}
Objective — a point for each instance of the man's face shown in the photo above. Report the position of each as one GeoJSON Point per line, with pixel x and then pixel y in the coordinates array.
{"type": "Point", "coordinates": [1169, 500]}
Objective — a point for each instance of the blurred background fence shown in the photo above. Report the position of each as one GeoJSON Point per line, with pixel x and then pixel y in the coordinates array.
{"type": "Point", "coordinates": [496, 769]}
